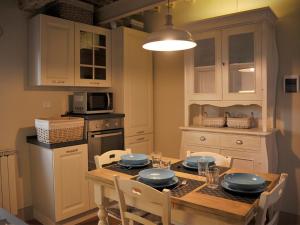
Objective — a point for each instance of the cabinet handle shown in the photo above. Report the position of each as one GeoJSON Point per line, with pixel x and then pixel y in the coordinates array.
{"type": "Point", "coordinates": [140, 132]}
{"type": "Point", "coordinates": [239, 142]}
{"type": "Point", "coordinates": [140, 139]}
{"type": "Point", "coordinates": [96, 83]}
{"type": "Point", "coordinates": [202, 138]}
{"type": "Point", "coordinates": [71, 151]}
{"type": "Point", "coordinates": [58, 81]}
{"type": "Point", "coordinates": [223, 63]}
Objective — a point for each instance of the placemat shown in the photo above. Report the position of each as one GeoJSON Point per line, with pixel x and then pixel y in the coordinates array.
{"type": "Point", "coordinates": [222, 193]}
{"type": "Point", "coordinates": [180, 168]}
{"type": "Point", "coordinates": [180, 190]}
{"type": "Point", "coordinates": [130, 171]}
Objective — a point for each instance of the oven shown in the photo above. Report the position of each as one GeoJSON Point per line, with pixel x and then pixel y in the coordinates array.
{"type": "Point", "coordinates": [104, 135]}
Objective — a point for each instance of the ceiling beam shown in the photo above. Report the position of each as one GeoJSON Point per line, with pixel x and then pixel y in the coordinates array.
{"type": "Point", "coordinates": [123, 8]}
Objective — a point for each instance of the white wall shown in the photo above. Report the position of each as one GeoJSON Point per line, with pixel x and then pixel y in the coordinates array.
{"type": "Point", "coordinates": [19, 104]}
{"type": "Point", "coordinates": [288, 106]}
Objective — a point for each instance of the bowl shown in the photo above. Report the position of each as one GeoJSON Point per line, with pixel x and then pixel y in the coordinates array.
{"type": "Point", "coordinates": [156, 175]}
{"type": "Point", "coordinates": [134, 159]}
{"type": "Point", "coordinates": [193, 160]}
{"type": "Point", "coordinates": [244, 181]}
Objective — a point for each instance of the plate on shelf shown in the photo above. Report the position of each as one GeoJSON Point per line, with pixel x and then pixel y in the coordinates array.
{"type": "Point", "coordinates": [174, 181]}
{"type": "Point", "coordinates": [227, 186]}
{"type": "Point", "coordinates": [120, 163]}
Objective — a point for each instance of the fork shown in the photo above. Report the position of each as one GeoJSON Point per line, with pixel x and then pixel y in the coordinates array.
{"type": "Point", "coordinates": [183, 183]}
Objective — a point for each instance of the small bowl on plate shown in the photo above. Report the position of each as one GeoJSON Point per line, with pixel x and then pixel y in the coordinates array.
{"type": "Point", "coordinates": [244, 181]}
{"type": "Point", "coordinates": [156, 175]}
{"type": "Point", "coordinates": [134, 159]}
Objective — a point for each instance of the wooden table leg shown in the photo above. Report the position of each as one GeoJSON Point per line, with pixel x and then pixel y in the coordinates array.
{"type": "Point", "coordinates": [102, 215]}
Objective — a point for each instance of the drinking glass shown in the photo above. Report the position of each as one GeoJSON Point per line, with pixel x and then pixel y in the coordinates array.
{"type": "Point", "coordinates": [156, 158]}
{"type": "Point", "coordinates": [202, 167]}
{"type": "Point", "coordinates": [212, 177]}
{"type": "Point", "coordinates": [165, 164]}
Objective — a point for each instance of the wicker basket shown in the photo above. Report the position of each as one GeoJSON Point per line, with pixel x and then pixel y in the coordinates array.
{"type": "Point", "coordinates": [242, 122]}
{"type": "Point", "coordinates": [59, 130]}
{"type": "Point", "coordinates": [73, 10]}
{"type": "Point", "coordinates": [213, 121]}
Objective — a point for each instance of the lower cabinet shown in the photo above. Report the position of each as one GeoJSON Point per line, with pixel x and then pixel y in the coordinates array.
{"type": "Point", "coordinates": [140, 143]}
{"type": "Point", "coordinates": [255, 151]}
{"type": "Point", "coordinates": [59, 187]}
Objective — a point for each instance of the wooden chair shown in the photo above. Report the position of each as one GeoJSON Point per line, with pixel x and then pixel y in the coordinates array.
{"type": "Point", "coordinates": [145, 198]}
{"type": "Point", "coordinates": [269, 204]}
{"type": "Point", "coordinates": [221, 160]}
{"type": "Point", "coordinates": [109, 157]}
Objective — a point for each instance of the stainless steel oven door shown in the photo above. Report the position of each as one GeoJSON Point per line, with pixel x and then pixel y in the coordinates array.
{"type": "Point", "coordinates": [103, 141]}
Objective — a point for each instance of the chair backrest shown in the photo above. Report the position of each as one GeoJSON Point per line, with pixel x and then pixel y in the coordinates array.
{"type": "Point", "coordinates": [269, 204]}
{"type": "Point", "coordinates": [109, 157]}
{"type": "Point", "coordinates": [221, 160]}
{"type": "Point", "coordinates": [145, 198]}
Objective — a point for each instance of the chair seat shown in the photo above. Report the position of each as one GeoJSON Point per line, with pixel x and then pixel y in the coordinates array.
{"type": "Point", "coordinates": [114, 211]}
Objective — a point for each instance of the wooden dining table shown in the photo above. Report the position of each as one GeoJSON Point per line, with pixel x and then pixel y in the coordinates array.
{"type": "Point", "coordinates": [194, 208]}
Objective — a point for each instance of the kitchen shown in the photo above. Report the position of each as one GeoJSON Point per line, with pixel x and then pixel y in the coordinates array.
{"type": "Point", "coordinates": [23, 103]}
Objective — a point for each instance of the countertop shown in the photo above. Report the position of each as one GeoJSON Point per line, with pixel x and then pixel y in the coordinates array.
{"type": "Point", "coordinates": [33, 140]}
{"type": "Point", "coordinates": [97, 116]}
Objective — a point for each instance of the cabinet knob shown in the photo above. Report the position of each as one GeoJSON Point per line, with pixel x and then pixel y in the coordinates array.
{"type": "Point", "coordinates": [140, 132]}
{"type": "Point", "coordinates": [202, 138]}
{"type": "Point", "coordinates": [239, 142]}
{"type": "Point", "coordinates": [223, 63]}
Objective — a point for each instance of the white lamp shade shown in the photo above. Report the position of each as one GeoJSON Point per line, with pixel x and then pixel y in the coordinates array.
{"type": "Point", "coordinates": [169, 39]}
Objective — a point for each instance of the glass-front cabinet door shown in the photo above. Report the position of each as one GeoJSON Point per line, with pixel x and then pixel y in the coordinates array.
{"type": "Point", "coordinates": [241, 61]}
{"type": "Point", "coordinates": [203, 67]}
{"type": "Point", "coordinates": [92, 56]}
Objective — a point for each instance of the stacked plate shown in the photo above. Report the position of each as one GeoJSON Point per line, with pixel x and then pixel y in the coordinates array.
{"type": "Point", "coordinates": [191, 162]}
{"type": "Point", "coordinates": [158, 178]}
{"type": "Point", "coordinates": [244, 183]}
{"type": "Point", "coordinates": [134, 160]}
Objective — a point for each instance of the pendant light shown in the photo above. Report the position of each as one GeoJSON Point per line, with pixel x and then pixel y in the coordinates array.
{"type": "Point", "coordinates": [169, 38]}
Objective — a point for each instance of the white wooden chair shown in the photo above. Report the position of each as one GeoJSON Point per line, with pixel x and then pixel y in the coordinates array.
{"type": "Point", "coordinates": [145, 198]}
{"type": "Point", "coordinates": [221, 160]}
{"type": "Point", "coordinates": [110, 157]}
{"type": "Point", "coordinates": [269, 204]}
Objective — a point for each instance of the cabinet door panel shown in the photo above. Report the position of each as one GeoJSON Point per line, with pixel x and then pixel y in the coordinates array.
{"type": "Point", "coordinates": [140, 144]}
{"type": "Point", "coordinates": [71, 187]}
{"type": "Point", "coordinates": [57, 47]}
{"type": "Point", "coordinates": [92, 56]}
{"type": "Point", "coordinates": [138, 85]}
{"type": "Point", "coordinates": [203, 67]}
{"type": "Point", "coordinates": [241, 49]}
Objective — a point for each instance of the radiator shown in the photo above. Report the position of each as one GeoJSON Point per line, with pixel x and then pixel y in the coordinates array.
{"type": "Point", "coordinates": [8, 188]}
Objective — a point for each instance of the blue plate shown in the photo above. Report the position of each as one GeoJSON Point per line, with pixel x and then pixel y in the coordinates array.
{"type": "Point", "coordinates": [134, 159]}
{"type": "Point", "coordinates": [169, 184]}
{"type": "Point", "coordinates": [121, 163]}
{"type": "Point", "coordinates": [193, 160]}
{"type": "Point", "coordinates": [156, 175]}
{"type": "Point", "coordinates": [184, 163]}
{"type": "Point", "coordinates": [227, 186]}
{"type": "Point", "coordinates": [244, 181]}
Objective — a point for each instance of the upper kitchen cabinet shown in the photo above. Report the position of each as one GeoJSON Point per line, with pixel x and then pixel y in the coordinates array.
{"type": "Point", "coordinates": [132, 80]}
{"type": "Point", "coordinates": [92, 56]}
{"type": "Point", "coordinates": [231, 61]}
{"type": "Point", "coordinates": [66, 53]}
{"type": "Point", "coordinates": [51, 51]}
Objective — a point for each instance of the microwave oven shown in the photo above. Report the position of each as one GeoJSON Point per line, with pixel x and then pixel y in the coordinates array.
{"type": "Point", "coordinates": [92, 102]}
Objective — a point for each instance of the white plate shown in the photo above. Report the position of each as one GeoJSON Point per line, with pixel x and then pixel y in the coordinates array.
{"type": "Point", "coordinates": [133, 166]}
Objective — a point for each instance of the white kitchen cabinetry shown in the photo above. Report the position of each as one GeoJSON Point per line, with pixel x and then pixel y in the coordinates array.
{"type": "Point", "coordinates": [132, 81]}
{"type": "Point", "coordinates": [140, 143]}
{"type": "Point", "coordinates": [59, 188]}
{"type": "Point", "coordinates": [66, 53]}
{"type": "Point", "coordinates": [51, 51]}
{"type": "Point", "coordinates": [92, 56]}
{"type": "Point", "coordinates": [233, 71]}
